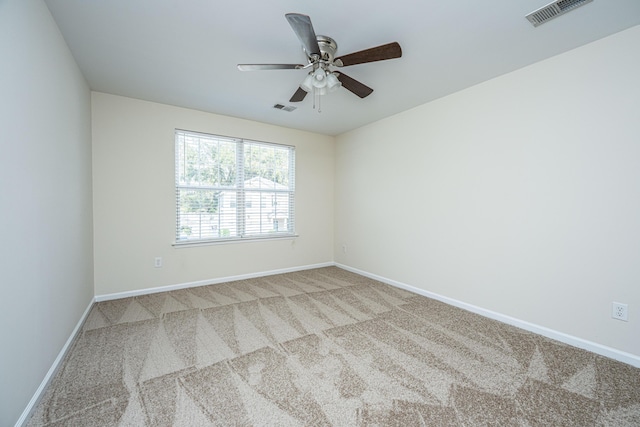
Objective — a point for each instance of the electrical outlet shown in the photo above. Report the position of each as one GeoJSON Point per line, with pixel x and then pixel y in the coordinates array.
{"type": "Point", "coordinates": [157, 263]}
{"type": "Point", "coordinates": [619, 311]}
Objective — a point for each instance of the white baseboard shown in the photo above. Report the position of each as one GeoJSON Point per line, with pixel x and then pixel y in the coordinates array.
{"type": "Point", "coordinates": [54, 367]}
{"type": "Point", "coordinates": [612, 353]}
{"type": "Point", "coordinates": [166, 288]}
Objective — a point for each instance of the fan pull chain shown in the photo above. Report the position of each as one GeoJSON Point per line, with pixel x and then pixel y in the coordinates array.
{"type": "Point", "coordinates": [316, 100]}
{"type": "Point", "coordinates": [313, 93]}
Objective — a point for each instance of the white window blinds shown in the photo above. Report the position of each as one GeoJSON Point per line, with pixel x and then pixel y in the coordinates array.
{"type": "Point", "coordinates": [231, 189]}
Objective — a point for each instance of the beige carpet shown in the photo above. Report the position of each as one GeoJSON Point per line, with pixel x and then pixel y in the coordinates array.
{"type": "Point", "coordinates": [324, 347]}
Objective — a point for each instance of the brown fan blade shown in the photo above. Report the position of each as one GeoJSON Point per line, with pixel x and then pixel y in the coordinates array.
{"type": "Point", "coordinates": [301, 25]}
{"type": "Point", "coordinates": [379, 53]}
{"type": "Point", "coordinates": [354, 86]}
{"type": "Point", "coordinates": [257, 67]}
{"type": "Point", "coordinates": [299, 95]}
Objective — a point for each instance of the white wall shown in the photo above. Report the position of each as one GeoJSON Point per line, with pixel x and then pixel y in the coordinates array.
{"type": "Point", "coordinates": [45, 200]}
{"type": "Point", "coordinates": [134, 198]}
{"type": "Point", "coordinates": [521, 195]}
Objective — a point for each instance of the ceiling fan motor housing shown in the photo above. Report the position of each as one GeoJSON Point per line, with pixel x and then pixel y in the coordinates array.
{"type": "Point", "coordinates": [328, 48]}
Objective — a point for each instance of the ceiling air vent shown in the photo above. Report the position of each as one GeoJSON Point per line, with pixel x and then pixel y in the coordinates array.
{"type": "Point", "coordinates": [557, 8]}
{"type": "Point", "coordinates": [284, 107]}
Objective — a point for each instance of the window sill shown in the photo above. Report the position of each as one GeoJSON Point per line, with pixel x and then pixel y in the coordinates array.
{"type": "Point", "coordinates": [191, 244]}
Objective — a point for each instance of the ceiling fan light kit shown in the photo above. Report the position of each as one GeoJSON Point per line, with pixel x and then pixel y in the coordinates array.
{"type": "Point", "coordinates": [321, 81]}
{"type": "Point", "coordinates": [321, 51]}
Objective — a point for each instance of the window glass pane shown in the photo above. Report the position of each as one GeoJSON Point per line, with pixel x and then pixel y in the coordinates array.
{"type": "Point", "coordinates": [267, 212]}
{"type": "Point", "coordinates": [271, 163]}
{"type": "Point", "coordinates": [206, 162]}
{"type": "Point", "coordinates": [206, 214]}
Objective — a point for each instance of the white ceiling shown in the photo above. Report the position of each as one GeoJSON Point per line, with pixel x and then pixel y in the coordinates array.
{"type": "Point", "coordinates": [184, 52]}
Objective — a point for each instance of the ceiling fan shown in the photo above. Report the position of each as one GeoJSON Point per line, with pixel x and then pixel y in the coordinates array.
{"type": "Point", "coordinates": [321, 51]}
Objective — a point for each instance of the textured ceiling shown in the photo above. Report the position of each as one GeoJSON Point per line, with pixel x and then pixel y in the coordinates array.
{"type": "Point", "coordinates": [184, 53]}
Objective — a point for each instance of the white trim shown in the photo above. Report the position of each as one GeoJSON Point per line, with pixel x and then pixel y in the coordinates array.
{"type": "Point", "coordinates": [621, 356]}
{"type": "Point", "coordinates": [54, 367]}
{"type": "Point", "coordinates": [154, 290]}
{"type": "Point", "coordinates": [196, 243]}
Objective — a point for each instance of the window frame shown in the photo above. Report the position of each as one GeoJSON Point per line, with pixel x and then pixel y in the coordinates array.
{"type": "Point", "coordinates": [238, 202]}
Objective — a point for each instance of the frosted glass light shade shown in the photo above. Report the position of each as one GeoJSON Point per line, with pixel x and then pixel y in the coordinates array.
{"type": "Point", "coordinates": [319, 78]}
{"type": "Point", "coordinates": [332, 82]}
{"type": "Point", "coordinates": [307, 84]}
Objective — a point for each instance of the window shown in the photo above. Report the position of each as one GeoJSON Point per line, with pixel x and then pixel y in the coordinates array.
{"type": "Point", "coordinates": [222, 185]}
